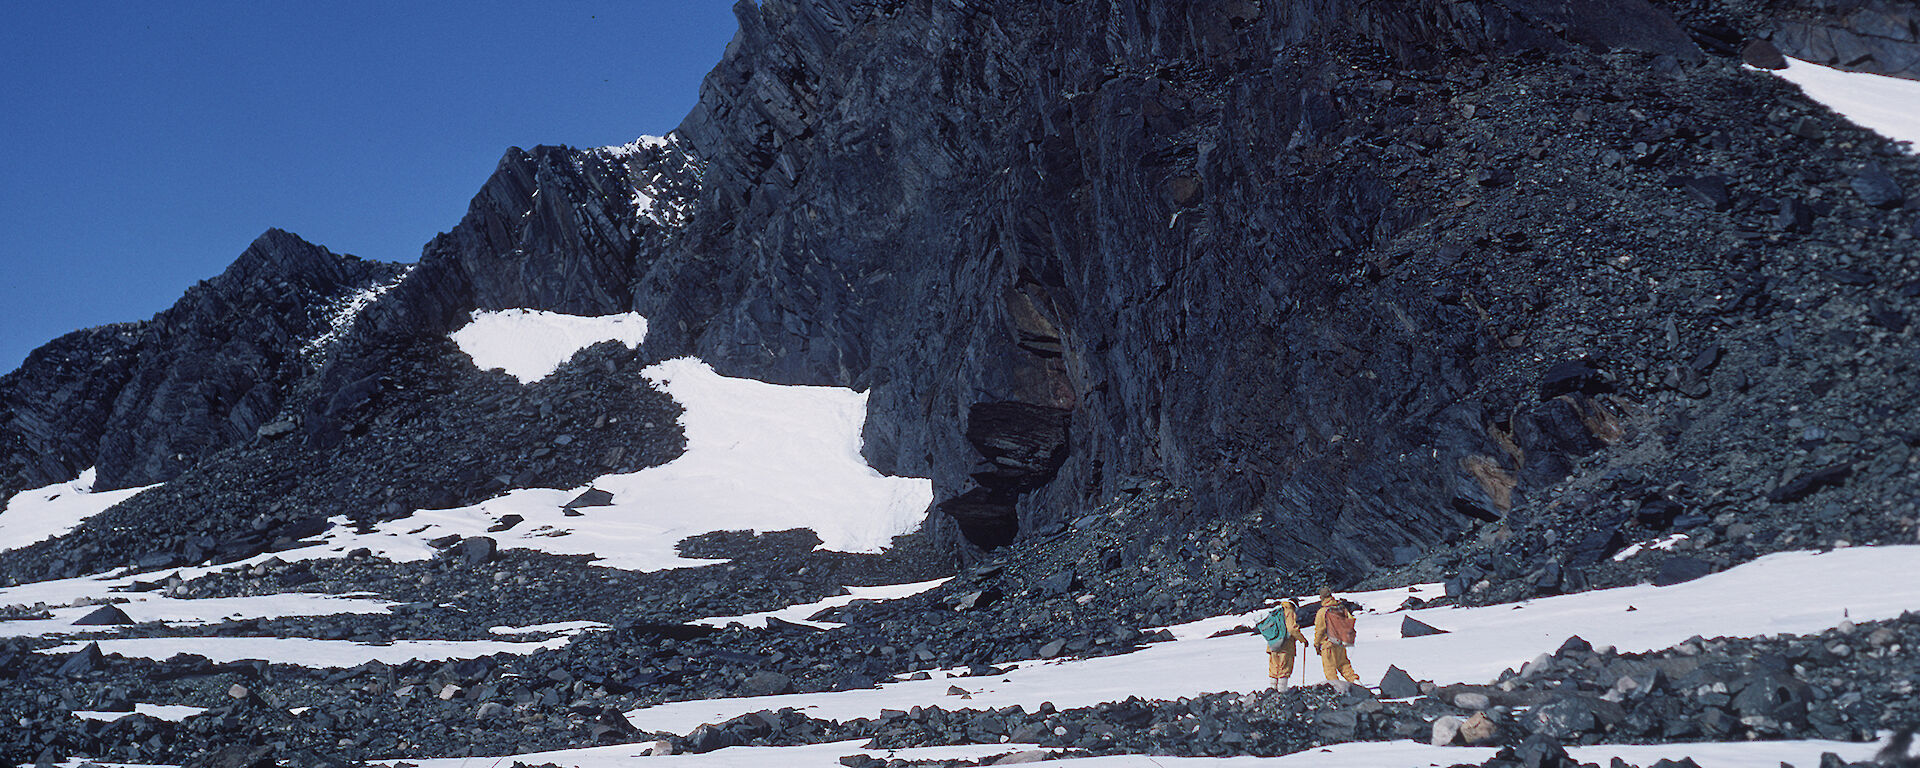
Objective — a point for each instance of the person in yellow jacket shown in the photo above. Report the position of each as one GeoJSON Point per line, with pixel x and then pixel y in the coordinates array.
{"type": "Point", "coordinates": [1333, 655]}
{"type": "Point", "coordinates": [1282, 632]}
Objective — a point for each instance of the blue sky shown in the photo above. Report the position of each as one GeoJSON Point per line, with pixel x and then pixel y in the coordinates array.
{"type": "Point", "coordinates": [145, 144]}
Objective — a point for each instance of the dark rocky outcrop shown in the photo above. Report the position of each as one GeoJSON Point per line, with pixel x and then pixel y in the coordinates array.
{"type": "Point", "coordinates": [145, 401]}
{"type": "Point", "coordinates": [1359, 277]}
{"type": "Point", "coordinates": [1874, 36]}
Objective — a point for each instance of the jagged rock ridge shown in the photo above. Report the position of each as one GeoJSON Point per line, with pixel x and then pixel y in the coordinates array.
{"type": "Point", "coordinates": [143, 401]}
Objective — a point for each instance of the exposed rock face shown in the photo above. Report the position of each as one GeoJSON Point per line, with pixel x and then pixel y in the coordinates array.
{"type": "Point", "coordinates": [144, 401]}
{"type": "Point", "coordinates": [55, 407]}
{"type": "Point", "coordinates": [1358, 275]}
{"type": "Point", "coordinates": [1224, 242]}
{"type": "Point", "coordinates": [1086, 208]}
{"type": "Point", "coordinates": [1861, 35]}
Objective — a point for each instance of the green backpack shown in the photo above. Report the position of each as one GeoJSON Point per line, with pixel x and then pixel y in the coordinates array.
{"type": "Point", "coordinates": [1274, 626]}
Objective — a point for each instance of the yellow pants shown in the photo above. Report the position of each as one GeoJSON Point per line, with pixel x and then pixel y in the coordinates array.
{"type": "Point", "coordinates": [1333, 659]}
{"type": "Point", "coordinates": [1280, 662]}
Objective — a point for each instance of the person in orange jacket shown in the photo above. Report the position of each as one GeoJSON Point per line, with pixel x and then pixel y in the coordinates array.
{"type": "Point", "coordinates": [1331, 639]}
{"type": "Point", "coordinates": [1281, 629]}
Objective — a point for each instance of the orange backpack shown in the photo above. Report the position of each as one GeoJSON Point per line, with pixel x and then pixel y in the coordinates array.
{"type": "Point", "coordinates": [1340, 626]}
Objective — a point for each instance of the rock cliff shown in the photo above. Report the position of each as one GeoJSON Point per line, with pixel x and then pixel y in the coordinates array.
{"type": "Point", "coordinates": [1361, 277]}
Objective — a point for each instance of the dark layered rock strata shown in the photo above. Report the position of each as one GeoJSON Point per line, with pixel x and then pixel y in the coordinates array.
{"type": "Point", "coordinates": [144, 401]}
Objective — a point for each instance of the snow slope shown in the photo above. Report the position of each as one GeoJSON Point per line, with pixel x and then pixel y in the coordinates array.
{"type": "Point", "coordinates": [1793, 592]}
{"type": "Point", "coordinates": [1889, 106]}
{"type": "Point", "coordinates": [43, 513]}
{"type": "Point", "coordinates": [530, 344]}
{"type": "Point", "coordinates": [760, 457]}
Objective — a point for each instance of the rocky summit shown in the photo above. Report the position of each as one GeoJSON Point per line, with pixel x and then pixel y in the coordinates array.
{"type": "Point", "coordinates": [961, 381]}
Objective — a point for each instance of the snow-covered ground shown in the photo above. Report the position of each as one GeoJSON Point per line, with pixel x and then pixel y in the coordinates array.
{"type": "Point", "coordinates": [1406, 754]}
{"type": "Point", "coordinates": [1793, 592]}
{"type": "Point", "coordinates": [39, 514]}
{"type": "Point", "coordinates": [797, 614]}
{"type": "Point", "coordinates": [766, 457]}
{"type": "Point", "coordinates": [760, 457]}
{"type": "Point", "coordinates": [530, 344]}
{"type": "Point", "coordinates": [1889, 106]}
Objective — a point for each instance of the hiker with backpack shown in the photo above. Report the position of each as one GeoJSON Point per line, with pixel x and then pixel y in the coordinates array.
{"type": "Point", "coordinates": [1281, 628]}
{"type": "Point", "coordinates": [1333, 634]}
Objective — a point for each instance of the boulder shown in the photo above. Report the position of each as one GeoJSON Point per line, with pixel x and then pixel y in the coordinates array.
{"type": "Point", "coordinates": [977, 599]}
{"type": "Point", "coordinates": [476, 550]}
{"type": "Point", "coordinates": [1878, 188]}
{"type": "Point", "coordinates": [1059, 583]}
{"type": "Point", "coordinates": [82, 662]}
{"type": "Point", "coordinates": [708, 738]}
{"type": "Point", "coordinates": [1473, 701]}
{"type": "Point", "coordinates": [591, 497]}
{"type": "Point", "coordinates": [1410, 627]}
{"type": "Point", "coordinates": [234, 756]}
{"type": "Point", "coordinates": [1677, 570]}
{"type": "Point", "coordinates": [766, 684]}
{"type": "Point", "coordinates": [1479, 730]}
{"type": "Point", "coordinates": [1762, 54]}
{"type": "Point", "coordinates": [1397, 684]}
{"type": "Point", "coordinates": [105, 615]}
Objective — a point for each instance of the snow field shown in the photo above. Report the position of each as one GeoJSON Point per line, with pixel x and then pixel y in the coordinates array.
{"type": "Point", "coordinates": [1793, 592]}
{"type": "Point", "coordinates": [760, 457]}
{"type": "Point", "coordinates": [530, 344]}
{"type": "Point", "coordinates": [38, 514]}
{"type": "Point", "coordinates": [1889, 106]}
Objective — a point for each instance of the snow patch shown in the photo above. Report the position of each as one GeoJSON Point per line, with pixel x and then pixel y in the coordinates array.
{"type": "Point", "coordinates": [348, 310]}
{"type": "Point", "coordinates": [1889, 106]}
{"type": "Point", "coordinates": [1662, 543]}
{"type": "Point", "coordinates": [631, 148]}
{"type": "Point", "coordinates": [797, 614]}
{"type": "Point", "coordinates": [170, 712]}
{"type": "Point", "coordinates": [568, 628]}
{"type": "Point", "coordinates": [38, 514]}
{"type": "Point", "coordinates": [530, 344]}
{"type": "Point", "coordinates": [760, 457]}
{"type": "Point", "coordinates": [661, 188]}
